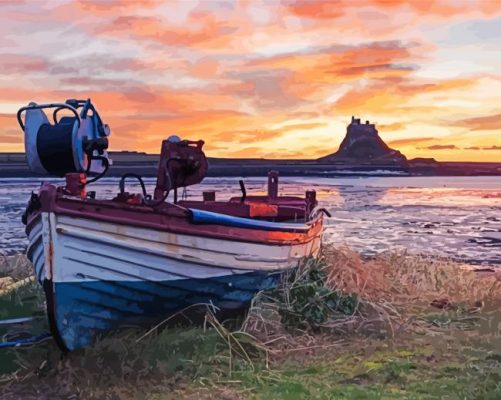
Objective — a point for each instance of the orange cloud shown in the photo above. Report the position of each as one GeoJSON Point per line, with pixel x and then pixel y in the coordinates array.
{"type": "Point", "coordinates": [326, 10]}
{"type": "Point", "coordinates": [17, 63]}
{"type": "Point", "coordinates": [11, 133]}
{"type": "Point", "coordinates": [258, 135]}
{"type": "Point", "coordinates": [113, 6]}
{"type": "Point", "coordinates": [409, 141]}
{"type": "Point", "coordinates": [440, 147]}
{"type": "Point", "coordinates": [396, 126]}
{"type": "Point", "coordinates": [390, 95]}
{"type": "Point", "coordinates": [489, 122]}
{"type": "Point", "coordinates": [247, 76]}
{"type": "Point", "coordinates": [200, 29]}
{"type": "Point", "coordinates": [323, 9]}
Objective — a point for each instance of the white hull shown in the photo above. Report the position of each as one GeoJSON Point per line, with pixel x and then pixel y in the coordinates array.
{"type": "Point", "coordinates": [77, 250]}
{"type": "Point", "coordinates": [100, 276]}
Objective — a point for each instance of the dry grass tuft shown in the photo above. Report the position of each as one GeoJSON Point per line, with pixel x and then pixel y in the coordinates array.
{"type": "Point", "coordinates": [392, 290]}
{"type": "Point", "coordinates": [337, 302]}
{"type": "Point", "coordinates": [400, 278]}
{"type": "Point", "coordinates": [16, 267]}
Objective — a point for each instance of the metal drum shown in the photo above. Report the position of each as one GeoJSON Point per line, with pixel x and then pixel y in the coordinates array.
{"type": "Point", "coordinates": [75, 143]}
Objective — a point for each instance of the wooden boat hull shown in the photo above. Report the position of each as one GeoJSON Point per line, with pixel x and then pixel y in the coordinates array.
{"type": "Point", "coordinates": [100, 276]}
{"type": "Point", "coordinates": [136, 258]}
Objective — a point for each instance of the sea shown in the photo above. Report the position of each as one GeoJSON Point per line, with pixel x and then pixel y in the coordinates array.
{"type": "Point", "coordinates": [457, 218]}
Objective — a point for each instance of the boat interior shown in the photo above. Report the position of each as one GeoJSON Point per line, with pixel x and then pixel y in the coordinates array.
{"type": "Point", "coordinates": [183, 163]}
{"type": "Point", "coordinates": [75, 147]}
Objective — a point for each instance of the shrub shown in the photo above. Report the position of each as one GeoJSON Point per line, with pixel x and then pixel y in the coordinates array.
{"type": "Point", "coordinates": [304, 300]}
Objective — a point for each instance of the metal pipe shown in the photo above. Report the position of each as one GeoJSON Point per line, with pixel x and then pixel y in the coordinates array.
{"type": "Point", "coordinates": [34, 106]}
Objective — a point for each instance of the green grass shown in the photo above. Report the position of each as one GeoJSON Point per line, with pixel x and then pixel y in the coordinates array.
{"type": "Point", "coordinates": [284, 352]}
{"type": "Point", "coordinates": [193, 363]}
{"type": "Point", "coordinates": [25, 301]}
{"type": "Point", "coordinates": [406, 373]}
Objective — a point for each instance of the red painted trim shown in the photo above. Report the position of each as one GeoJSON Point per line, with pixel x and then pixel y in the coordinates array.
{"type": "Point", "coordinates": [168, 217]}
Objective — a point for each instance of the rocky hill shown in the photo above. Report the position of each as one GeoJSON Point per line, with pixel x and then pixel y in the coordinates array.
{"type": "Point", "coordinates": [363, 145]}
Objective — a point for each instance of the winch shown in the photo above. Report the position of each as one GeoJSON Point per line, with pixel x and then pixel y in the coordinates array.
{"type": "Point", "coordinates": [182, 164]}
{"type": "Point", "coordinates": [71, 143]}
{"type": "Point", "coordinates": [75, 146]}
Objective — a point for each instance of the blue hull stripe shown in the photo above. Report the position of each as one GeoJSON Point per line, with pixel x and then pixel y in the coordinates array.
{"type": "Point", "coordinates": [88, 309]}
{"type": "Point", "coordinates": [207, 217]}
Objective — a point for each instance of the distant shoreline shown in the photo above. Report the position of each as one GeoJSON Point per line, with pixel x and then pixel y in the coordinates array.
{"type": "Point", "coordinates": [13, 165]}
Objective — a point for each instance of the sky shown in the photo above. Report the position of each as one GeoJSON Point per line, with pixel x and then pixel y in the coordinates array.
{"type": "Point", "coordinates": [274, 79]}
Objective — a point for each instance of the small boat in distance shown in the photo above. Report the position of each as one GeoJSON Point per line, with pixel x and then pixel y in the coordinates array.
{"type": "Point", "coordinates": [136, 259]}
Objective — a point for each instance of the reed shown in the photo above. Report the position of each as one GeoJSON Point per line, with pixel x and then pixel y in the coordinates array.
{"type": "Point", "coordinates": [15, 267]}
{"type": "Point", "coordinates": [400, 278]}
{"type": "Point", "coordinates": [347, 318]}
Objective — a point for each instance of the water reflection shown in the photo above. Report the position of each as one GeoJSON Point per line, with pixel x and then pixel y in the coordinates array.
{"type": "Point", "coordinates": [370, 215]}
{"type": "Point", "coordinates": [455, 223]}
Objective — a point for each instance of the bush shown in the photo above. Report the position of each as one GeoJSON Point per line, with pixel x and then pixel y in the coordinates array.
{"type": "Point", "coordinates": [304, 300]}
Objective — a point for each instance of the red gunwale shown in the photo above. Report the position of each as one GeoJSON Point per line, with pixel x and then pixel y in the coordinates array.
{"type": "Point", "coordinates": [168, 218]}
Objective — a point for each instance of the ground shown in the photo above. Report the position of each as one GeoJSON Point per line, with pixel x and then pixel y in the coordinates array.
{"type": "Point", "coordinates": [401, 328]}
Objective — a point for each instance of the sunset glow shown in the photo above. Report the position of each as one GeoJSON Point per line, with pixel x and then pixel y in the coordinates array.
{"type": "Point", "coordinates": [274, 79]}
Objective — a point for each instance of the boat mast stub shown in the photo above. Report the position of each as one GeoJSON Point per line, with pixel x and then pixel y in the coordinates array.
{"type": "Point", "coordinates": [272, 185]}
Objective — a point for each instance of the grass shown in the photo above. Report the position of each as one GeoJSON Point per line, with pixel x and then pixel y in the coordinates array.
{"type": "Point", "coordinates": [396, 327]}
{"type": "Point", "coordinates": [16, 302]}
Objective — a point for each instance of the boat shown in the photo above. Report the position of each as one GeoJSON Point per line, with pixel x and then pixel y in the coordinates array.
{"type": "Point", "coordinates": [135, 259]}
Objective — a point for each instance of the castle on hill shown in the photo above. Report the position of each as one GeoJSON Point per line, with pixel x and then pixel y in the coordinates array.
{"type": "Point", "coordinates": [363, 145]}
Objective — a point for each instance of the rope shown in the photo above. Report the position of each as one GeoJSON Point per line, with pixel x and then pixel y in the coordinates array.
{"type": "Point", "coordinates": [26, 342]}
{"type": "Point", "coordinates": [16, 321]}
